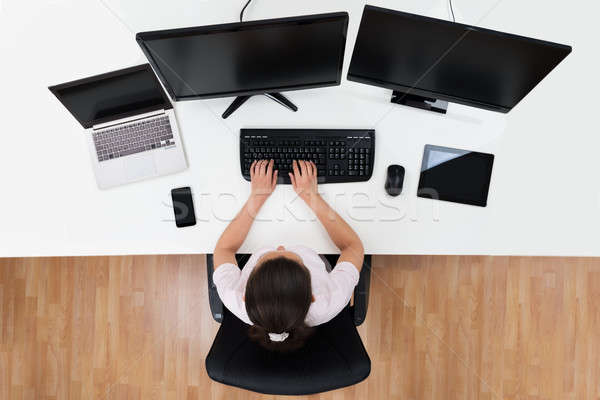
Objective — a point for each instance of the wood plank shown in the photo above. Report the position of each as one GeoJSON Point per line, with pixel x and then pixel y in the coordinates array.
{"type": "Point", "coordinates": [437, 328]}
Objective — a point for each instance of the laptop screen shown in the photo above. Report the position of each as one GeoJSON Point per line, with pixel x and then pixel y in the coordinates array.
{"type": "Point", "coordinates": [111, 96]}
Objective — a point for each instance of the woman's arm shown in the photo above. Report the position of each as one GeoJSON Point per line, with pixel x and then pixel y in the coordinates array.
{"type": "Point", "coordinates": [304, 180]}
{"type": "Point", "coordinates": [263, 181]}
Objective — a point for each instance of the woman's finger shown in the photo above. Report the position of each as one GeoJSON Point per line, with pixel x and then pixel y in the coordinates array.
{"type": "Point", "coordinates": [257, 168]}
{"type": "Point", "coordinates": [308, 168]}
{"type": "Point", "coordinates": [292, 179]}
{"type": "Point", "coordinates": [295, 168]}
{"type": "Point", "coordinates": [252, 169]}
{"type": "Point", "coordinates": [303, 168]}
{"type": "Point", "coordinates": [270, 168]}
{"type": "Point", "coordinates": [275, 179]}
{"type": "Point", "coordinates": [314, 168]}
{"type": "Point", "coordinates": [263, 167]}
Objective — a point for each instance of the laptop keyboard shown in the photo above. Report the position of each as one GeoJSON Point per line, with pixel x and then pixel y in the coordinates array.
{"type": "Point", "coordinates": [132, 138]}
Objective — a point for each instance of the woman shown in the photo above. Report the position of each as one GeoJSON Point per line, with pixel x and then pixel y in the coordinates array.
{"type": "Point", "coordinates": [283, 292]}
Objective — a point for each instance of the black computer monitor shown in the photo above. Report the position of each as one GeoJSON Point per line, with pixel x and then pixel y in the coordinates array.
{"type": "Point", "coordinates": [428, 62]}
{"type": "Point", "coordinates": [249, 58]}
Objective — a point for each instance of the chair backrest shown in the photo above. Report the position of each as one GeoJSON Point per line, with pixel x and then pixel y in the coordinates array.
{"type": "Point", "coordinates": [332, 358]}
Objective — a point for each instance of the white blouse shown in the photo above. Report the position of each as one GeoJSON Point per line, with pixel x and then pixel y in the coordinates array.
{"type": "Point", "coordinates": [332, 290]}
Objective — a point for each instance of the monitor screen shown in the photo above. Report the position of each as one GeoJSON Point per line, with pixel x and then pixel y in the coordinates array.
{"type": "Point", "coordinates": [250, 57]}
{"type": "Point", "coordinates": [112, 96]}
{"type": "Point", "coordinates": [449, 61]}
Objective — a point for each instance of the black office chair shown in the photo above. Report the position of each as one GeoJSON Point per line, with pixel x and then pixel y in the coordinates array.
{"type": "Point", "coordinates": [332, 358]}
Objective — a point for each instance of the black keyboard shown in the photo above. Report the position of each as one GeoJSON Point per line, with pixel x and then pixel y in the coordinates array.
{"type": "Point", "coordinates": [341, 155]}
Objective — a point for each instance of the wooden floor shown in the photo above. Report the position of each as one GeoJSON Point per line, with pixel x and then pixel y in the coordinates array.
{"type": "Point", "coordinates": [437, 328]}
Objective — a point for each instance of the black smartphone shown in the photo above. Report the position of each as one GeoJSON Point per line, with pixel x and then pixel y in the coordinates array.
{"type": "Point", "coordinates": [183, 206]}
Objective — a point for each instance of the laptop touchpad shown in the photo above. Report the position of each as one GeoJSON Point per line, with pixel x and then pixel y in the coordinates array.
{"type": "Point", "coordinates": [136, 168]}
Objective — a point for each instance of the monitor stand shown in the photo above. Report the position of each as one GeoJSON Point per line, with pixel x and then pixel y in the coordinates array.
{"type": "Point", "coordinates": [424, 103]}
{"type": "Point", "coordinates": [278, 97]}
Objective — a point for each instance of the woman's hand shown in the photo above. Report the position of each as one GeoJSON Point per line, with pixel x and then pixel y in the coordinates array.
{"type": "Point", "coordinates": [304, 179]}
{"type": "Point", "coordinates": [262, 177]}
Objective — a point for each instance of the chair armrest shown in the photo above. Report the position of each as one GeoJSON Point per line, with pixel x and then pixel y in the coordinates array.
{"type": "Point", "coordinates": [216, 306]}
{"type": "Point", "coordinates": [361, 293]}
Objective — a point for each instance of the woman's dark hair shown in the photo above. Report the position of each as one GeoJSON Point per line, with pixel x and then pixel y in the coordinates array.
{"type": "Point", "coordinates": [278, 295]}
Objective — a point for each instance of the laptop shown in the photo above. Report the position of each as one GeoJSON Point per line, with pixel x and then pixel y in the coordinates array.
{"type": "Point", "coordinates": [129, 122]}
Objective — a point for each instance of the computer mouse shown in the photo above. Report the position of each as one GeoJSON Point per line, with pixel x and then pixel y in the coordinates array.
{"type": "Point", "coordinates": [394, 180]}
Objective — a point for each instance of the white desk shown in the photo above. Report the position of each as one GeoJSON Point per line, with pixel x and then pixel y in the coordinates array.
{"type": "Point", "coordinates": [544, 198]}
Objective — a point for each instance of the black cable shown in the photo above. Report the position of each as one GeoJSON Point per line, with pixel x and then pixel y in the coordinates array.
{"type": "Point", "coordinates": [452, 11]}
{"type": "Point", "coordinates": [243, 9]}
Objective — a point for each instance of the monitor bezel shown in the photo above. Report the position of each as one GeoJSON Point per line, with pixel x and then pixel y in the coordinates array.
{"type": "Point", "coordinates": [438, 95]}
{"type": "Point", "coordinates": [96, 78]}
{"type": "Point", "coordinates": [141, 37]}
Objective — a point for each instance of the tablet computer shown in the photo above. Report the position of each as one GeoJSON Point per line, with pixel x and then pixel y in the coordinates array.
{"type": "Point", "coordinates": [456, 175]}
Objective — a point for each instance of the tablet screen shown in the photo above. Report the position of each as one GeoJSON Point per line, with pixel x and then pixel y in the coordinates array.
{"type": "Point", "coordinates": [460, 176]}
